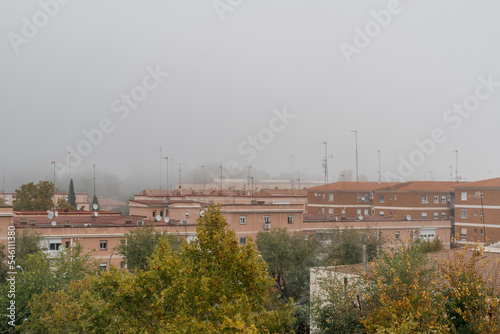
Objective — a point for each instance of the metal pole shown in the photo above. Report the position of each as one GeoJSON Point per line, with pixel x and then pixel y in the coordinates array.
{"type": "Point", "coordinates": [166, 158]}
{"type": "Point", "coordinates": [203, 167]}
{"type": "Point", "coordinates": [94, 178]}
{"type": "Point", "coordinates": [160, 166]}
{"type": "Point", "coordinates": [456, 170]}
{"type": "Point", "coordinates": [292, 174]}
{"type": "Point", "coordinates": [357, 183]}
{"type": "Point", "coordinates": [379, 172]}
{"type": "Point", "coordinates": [451, 173]}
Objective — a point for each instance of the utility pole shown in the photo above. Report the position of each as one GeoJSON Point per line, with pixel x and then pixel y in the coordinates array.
{"type": "Point", "coordinates": [357, 180]}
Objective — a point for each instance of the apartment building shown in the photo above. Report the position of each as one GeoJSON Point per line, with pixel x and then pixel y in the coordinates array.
{"type": "Point", "coordinates": [347, 199]}
{"type": "Point", "coordinates": [416, 200]}
{"type": "Point", "coordinates": [477, 206]}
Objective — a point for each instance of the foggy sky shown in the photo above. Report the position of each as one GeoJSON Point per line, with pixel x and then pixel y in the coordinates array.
{"type": "Point", "coordinates": [229, 79]}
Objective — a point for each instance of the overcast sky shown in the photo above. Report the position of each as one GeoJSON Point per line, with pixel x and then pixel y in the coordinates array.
{"type": "Point", "coordinates": [289, 74]}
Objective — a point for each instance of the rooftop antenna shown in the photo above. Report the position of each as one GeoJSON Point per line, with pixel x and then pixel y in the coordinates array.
{"type": "Point", "coordinates": [220, 181]}
{"type": "Point", "coordinates": [357, 180]}
{"type": "Point", "coordinates": [432, 176]}
{"type": "Point", "coordinates": [248, 176]}
{"type": "Point", "coordinates": [166, 158]}
{"type": "Point", "coordinates": [161, 158]}
{"type": "Point", "coordinates": [456, 170]}
{"type": "Point", "coordinates": [69, 159]}
{"type": "Point", "coordinates": [298, 179]}
{"type": "Point", "coordinates": [292, 173]}
{"type": "Point", "coordinates": [451, 173]}
{"type": "Point", "coordinates": [180, 174]}
{"type": "Point", "coordinates": [379, 172]}
{"type": "Point", "coordinates": [203, 168]}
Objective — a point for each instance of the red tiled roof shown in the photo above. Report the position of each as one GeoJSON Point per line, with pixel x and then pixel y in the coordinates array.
{"type": "Point", "coordinates": [351, 186]}
{"type": "Point", "coordinates": [489, 183]}
{"type": "Point", "coordinates": [446, 186]}
{"type": "Point", "coordinates": [281, 192]}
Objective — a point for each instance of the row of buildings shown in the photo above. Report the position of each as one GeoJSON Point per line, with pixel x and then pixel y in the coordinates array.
{"type": "Point", "coordinates": [452, 211]}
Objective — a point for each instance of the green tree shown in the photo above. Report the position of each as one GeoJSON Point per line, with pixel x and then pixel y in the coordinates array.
{"type": "Point", "coordinates": [139, 244]}
{"type": "Point", "coordinates": [64, 205]}
{"type": "Point", "coordinates": [2, 200]}
{"type": "Point", "coordinates": [346, 246]}
{"type": "Point", "coordinates": [213, 285]}
{"type": "Point", "coordinates": [34, 197]}
{"type": "Point", "coordinates": [71, 194]}
{"type": "Point", "coordinates": [94, 201]}
{"type": "Point", "coordinates": [471, 305]}
{"type": "Point", "coordinates": [402, 295]}
{"type": "Point", "coordinates": [337, 307]}
{"type": "Point", "coordinates": [41, 272]}
{"type": "Point", "coordinates": [29, 241]}
{"type": "Point", "coordinates": [289, 257]}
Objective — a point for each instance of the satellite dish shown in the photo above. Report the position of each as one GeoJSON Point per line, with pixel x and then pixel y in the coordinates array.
{"type": "Point", "coordinates": [363, 198]}
{"type": "Point", "coordinates": [53, 223]}
{"type": "Point", "coordinates": [408, 217]}
{"type": "Point", "coordinates": [202, 213]}
{"type": "Point", "coordinates": [95, 214]}
{"type": "Point", "coordinates": [51, 214]}
{"type": "Point", "coordinates": [167, 219]}
{"type": "Point", "coordinates": [158, 218]}
{"type": "Point", "coordinates": [360, 217]}
{"type": "Point", "coordinates": [56, 214]}
{"type": "Point", "coordinates": [95, 206]}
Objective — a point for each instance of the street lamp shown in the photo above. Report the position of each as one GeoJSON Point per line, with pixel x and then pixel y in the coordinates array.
{"type": "Point", "coordinates": [109, 262]}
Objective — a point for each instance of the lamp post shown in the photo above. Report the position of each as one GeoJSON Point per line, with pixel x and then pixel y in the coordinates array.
{"type": "Point", "coordinates": [54, 162]}
{"type": "Point", "coordinates": [109, 262]}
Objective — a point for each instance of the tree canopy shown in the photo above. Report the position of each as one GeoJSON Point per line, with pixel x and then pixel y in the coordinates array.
{"type": "Point", "coordinates": [213, 285]}
{"type": "Point", "coordinates": [34, 197]}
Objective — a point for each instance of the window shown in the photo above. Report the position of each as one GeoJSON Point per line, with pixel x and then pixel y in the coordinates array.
{"type": "Point", "coordinates": [481, 212]}
{"type": "Point", "coordinates": [330, 211]}
{"type": "Point", "coordinates": [366, 212]}
{"type": "Point", "coordinates": [443, 215]}
{"type": "Point", "coordinates": [463, 232]}
{"type": "Point", "coordinates": [103, 244]}
{"type": "Point", "coordinates": [243, 240]}
{"type": "Point", "coordinates": [54, 246]}
{"type": "Point", "coordinates": [390, 197]}
{"type": "Point", "coordinates": [463, 214]}
{"type": "Point", "coordinates": [436, 199]}
{"type": "Point", "coordinates": [424, 215]}
{"type": "Point", "coordinates": [436, 215]}
{"type": "Point", "coordinates": [322, 210]}
{"type": "Point", "coordinates": [330, 197]}
{"type": "Point", "coordinates": [481, 231]}
{"type": "Point", "coordinates": [424, 199]}
{"type": "Point", "coordinates": [290, 219]}
{"type": "Point", "coordinates": [475, 231]}
{"type": "Point", "coordinates": [463, 196]}
{"type": "Point", "coordinates": [267, 219]}
{"type": "Point", "coordinates": [161, 213]}
{"type": "Point", "coordinates": [475, 213]}
{"type": "Point", "coordinates": [358, 212]}
{"type": "Point", "coordinates": [396, 235]}
{"type": "Point", "coordinates": [154, 213]}
{"type": "Point", "coordinates": [428, 233]}
{"type": "Point", "coordinates": [381, 213]}
{"type": "Point", "coordinates": [103, 266]}
{"type": "Point", "coordinates": [381, 198]}
{"type": "Point", "coordinates": [243, 220]}
{"type": "Point", "coordinates": [395, 197]}
{"type": "Point", "coordinates": [443, 199]}
{"type": "Point", "coordinates": [67, 244]}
